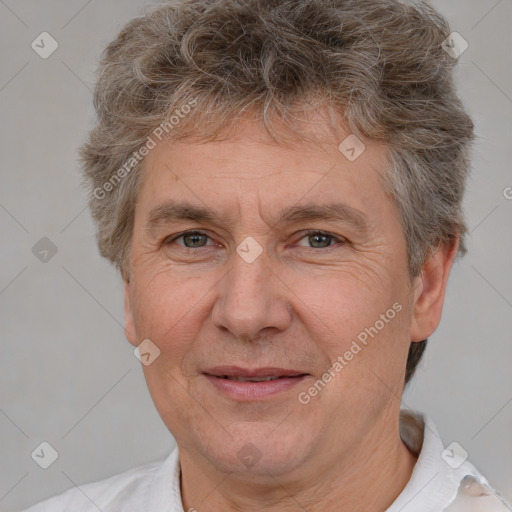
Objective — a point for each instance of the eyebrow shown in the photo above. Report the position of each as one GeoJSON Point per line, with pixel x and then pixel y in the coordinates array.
{"type": "Point", "coordinates": [175, 211]}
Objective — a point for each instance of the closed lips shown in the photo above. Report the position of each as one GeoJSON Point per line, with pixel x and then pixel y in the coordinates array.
{"type": "Point", "coordinates": [252, 384]}
{"type": "Point", "coordinates": [255, 379]}
{"type": "Point", "coordinates": [238, 374]}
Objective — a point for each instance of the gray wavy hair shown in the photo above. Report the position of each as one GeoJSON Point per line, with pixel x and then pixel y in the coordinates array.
{"type": "Point", "coordinates": [376, 66]}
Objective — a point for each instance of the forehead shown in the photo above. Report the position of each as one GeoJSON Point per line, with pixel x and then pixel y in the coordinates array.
{"type": "Point", "coordinates": [202, 180]}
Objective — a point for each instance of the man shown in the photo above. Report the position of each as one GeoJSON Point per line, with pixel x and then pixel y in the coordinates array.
{"type": "Point", "coordinates": [280, 185]}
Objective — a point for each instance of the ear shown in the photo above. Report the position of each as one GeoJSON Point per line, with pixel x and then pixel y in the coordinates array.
{"type": "Point", "coordinates": [429, 290]}
{"type": "Point", "coordinates": [129, 326]}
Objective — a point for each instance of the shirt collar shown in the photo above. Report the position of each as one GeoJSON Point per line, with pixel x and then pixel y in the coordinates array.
{"type": "Point", "coordinates": [433, 484]}
{"type": "Point", "coordinates": [165, 493]}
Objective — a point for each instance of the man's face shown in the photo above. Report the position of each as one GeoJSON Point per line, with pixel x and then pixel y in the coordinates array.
{"type": "Point", "coordinates": [215, 310]}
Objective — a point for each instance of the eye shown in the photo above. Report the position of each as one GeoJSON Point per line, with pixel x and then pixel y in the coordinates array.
{"type": "Point", "coordinates": [198, 239]}
{"type": "Point", "coordinates": [321, 239]}
{"type": "Point", "coordinates": [191, 239]}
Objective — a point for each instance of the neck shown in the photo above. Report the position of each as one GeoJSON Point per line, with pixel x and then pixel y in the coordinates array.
{"type": "Point", "coordinates": [370, 477]}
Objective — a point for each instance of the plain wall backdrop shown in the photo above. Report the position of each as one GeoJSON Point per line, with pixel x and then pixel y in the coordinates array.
{"type": "Point", "coordinates": [69, 377]}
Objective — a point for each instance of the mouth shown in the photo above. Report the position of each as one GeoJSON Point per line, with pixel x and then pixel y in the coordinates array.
{"type": "Point", "coordinates": [249, 379]}
{"type": "Point", "coordinates": [244, 384]}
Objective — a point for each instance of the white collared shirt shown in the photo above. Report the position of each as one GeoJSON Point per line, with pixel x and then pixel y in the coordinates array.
{"type": "Point", "coordinates": [442, 480]}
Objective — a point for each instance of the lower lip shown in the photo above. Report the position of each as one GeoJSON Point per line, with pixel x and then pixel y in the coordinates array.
{"type": "Point", "coordinates": [246, 391]}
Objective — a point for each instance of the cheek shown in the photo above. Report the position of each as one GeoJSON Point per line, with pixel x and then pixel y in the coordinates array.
{"type": "Point", "coordinates": [344, 302]}
{"type": "Point", "coordinates": [366, 324]}
{"type": "Point", "coordinates": [167, 310]}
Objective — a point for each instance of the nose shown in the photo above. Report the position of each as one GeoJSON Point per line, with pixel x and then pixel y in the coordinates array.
{"type": "Point", "coordinates": [251, 298]}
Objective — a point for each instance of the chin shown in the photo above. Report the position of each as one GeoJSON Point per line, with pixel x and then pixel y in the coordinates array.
{"type": "Point", "coordinates": [255, 452]}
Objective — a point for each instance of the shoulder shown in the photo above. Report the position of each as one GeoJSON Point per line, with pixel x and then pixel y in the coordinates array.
{"type": "Point", "coordinates": [475, 494]}
{"type": "Point", "coordinates": [443, 478]}
{"type": "Point", "coordinates": [127, 491]}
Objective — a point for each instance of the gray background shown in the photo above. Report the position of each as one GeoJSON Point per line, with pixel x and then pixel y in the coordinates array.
{"type": "Point", "coordinates": [69, 377]}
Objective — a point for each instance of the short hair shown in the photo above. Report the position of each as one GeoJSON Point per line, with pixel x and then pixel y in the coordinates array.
{"type": "Point", "coordinates": [191, 68]}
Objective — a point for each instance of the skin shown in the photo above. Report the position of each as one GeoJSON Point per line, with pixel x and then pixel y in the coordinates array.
{"type": "Point", "coordinates": [298, 305]}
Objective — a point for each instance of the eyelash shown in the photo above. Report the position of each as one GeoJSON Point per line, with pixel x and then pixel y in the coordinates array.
{"type": "Point", "coordinates": [306, 233]}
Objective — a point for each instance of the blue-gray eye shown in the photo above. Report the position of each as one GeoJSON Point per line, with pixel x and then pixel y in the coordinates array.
{"type": "Point", "coordinates": [191, 239]}
{"type": "Point", "coordinates": [319, 239]}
